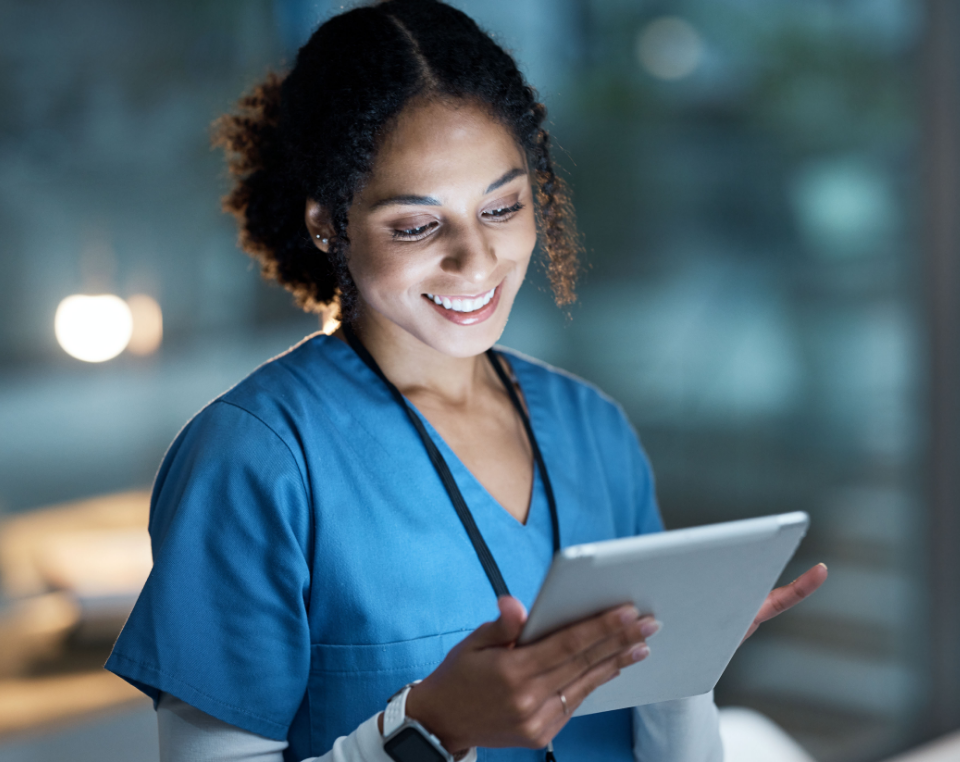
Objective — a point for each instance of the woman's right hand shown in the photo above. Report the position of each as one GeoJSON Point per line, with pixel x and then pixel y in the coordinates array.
{"type": "Point", "coordinates": [490, 692]}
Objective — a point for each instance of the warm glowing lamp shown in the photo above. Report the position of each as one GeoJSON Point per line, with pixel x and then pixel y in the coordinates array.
{"type": "Point", "coordinates": [147, 325]}
{"type": "Point", "coordinates": [93, 328]}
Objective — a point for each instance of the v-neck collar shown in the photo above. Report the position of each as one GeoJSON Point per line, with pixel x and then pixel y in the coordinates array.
{"type": "Point", "coordinates": [454, 461]}
{"type": "Point", "coordinates": [460, 469]}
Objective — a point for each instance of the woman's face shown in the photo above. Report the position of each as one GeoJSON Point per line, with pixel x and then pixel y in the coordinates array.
{"type": "Point", "coordinates": [442, 233]}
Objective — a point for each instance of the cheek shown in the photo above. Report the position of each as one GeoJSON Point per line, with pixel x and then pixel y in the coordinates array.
{"type": "Point", "coordinates": [365, 262]}
{"type": "Point", "coordinates": [378, 270]}
{"type": "Point", "coordinates": [524, 242]}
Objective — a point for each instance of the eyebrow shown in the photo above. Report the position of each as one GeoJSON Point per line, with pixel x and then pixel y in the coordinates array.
{"type": "Point", "coordinates": [507, 177]}
{"type": "Point", "coordinates": [409, 200]}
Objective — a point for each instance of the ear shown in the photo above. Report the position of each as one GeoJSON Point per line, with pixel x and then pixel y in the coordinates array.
{"type": "Point", "coordinates": [319, 224]}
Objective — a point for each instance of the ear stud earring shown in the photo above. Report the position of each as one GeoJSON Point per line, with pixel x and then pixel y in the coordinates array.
{"type": "Point", "coordinates": [322, 240]}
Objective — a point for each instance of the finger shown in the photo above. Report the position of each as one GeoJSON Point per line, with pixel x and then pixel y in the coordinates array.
{"type": "Point", "coordinates": [575, 641]}
{"type": "Point", "coordinates": [506, 628]}
{"type": "Point", "coordinates": [553, 713]}
{"type": "Point", "coordinates": [783, 598]}
{"type": "Point", "coordinates": [556, 717]}
{"type": "Point", "coordinates": [578, 690]}
{"type": "Point", "coordinates": [556, 725]}
{"type": "Point", "coordinates": [540, 729]}
{"type": "Point", "coordinates": [619, 645]}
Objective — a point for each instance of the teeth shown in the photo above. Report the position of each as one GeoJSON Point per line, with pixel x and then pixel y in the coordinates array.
{"type": "Point", "coordinates": [463, 305]}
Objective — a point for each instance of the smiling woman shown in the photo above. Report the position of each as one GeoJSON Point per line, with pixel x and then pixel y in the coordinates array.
{"type": "Point", "coordinates": [308, 134]}
{"type": "Point", "coordinates": [362, 523]}
{"type": "Point", "coordinates": [442, 232]}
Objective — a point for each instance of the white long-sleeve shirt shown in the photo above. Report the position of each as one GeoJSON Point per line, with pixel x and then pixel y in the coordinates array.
{"type": "Point", "coordinates": [685, 730]}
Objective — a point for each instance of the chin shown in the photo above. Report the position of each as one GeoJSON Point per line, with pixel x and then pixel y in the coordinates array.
{"type": "Point", "coordinates": [464, 341]}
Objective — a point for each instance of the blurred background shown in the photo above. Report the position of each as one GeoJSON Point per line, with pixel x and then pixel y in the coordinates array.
{"type": "Point", "coordinates": [767, 191]}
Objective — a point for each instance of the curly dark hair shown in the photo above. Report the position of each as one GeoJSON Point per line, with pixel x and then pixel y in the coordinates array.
{"type": "Point", "coordinates": [314, 133]}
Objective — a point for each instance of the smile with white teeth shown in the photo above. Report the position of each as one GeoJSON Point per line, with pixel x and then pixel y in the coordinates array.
{"type": "Point", "coordinates": [463, 305]}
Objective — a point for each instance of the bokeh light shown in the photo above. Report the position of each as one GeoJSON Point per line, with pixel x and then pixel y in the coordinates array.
{"type": "Point", "coordinates": [93, 328]}
{"type": "Point", "coordinates": [147, 325]}
{"type": "Point", "coordinates": [669, 48]}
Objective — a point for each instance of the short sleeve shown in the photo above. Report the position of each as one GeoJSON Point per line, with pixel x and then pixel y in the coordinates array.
{"type": "Point", "coordinates": [222, 620]}
{"type": "Point", "coordinates": [641, 484]}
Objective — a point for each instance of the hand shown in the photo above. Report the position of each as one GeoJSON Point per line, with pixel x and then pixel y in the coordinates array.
{"type": "Point", "coordinates": [491, 692]}
{"type": "Point", "coordinates": [788, 596]}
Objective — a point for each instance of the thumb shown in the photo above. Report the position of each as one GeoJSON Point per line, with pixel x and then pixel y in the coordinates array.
{"type": "Point", "coordinates": [506, 629]}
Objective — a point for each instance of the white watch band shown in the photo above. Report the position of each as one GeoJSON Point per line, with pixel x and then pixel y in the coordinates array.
{"type": "Point", "coordinates": [396, 711]}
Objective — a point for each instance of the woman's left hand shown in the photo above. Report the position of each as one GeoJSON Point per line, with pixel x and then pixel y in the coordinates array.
{"type": "Point", "coordinates": [783, 598]}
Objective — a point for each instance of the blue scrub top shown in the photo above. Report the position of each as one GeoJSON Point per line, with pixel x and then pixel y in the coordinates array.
{"type": "Point", "coordinates": [308, 561]}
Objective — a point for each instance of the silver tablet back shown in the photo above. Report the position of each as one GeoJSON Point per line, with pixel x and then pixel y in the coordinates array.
{"type": "Point", "coordinates": [705, 584]}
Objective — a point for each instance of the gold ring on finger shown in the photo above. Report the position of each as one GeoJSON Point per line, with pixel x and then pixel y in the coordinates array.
{"type": "Point", "coordinates": [563, 700]}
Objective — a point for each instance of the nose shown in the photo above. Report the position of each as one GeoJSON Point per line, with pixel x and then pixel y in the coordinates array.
{"type": "Point", "coordinates": [471, 256]}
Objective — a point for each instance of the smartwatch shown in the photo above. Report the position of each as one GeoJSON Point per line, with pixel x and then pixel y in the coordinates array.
{"type": "Point", "coordinates": [405, 739]}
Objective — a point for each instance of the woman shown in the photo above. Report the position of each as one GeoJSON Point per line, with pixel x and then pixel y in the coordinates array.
{"type": "Point", "coordinates": [343, 522]}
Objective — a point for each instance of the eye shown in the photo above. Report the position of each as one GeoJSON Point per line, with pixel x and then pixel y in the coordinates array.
{"type": "Point", "coordinates": [503, 212]}
{"type": "Point", "coordinates": [414, 234]}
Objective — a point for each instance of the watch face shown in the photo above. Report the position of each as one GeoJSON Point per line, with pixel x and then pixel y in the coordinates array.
{"type": "Point", "coordinates": [410, 746]}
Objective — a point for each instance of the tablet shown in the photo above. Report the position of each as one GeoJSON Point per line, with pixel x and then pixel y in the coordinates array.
{"type": "Point", "coordinates": [704, 584]}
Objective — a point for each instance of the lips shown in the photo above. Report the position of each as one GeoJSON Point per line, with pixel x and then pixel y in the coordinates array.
{"type": "Point", "coordinates": [466, 310]}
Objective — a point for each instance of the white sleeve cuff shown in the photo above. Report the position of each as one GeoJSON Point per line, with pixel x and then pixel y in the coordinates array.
{"type": "Point", "coordinates": [188, 734]}
{"type": "Point", "coordinates": [363, 744]}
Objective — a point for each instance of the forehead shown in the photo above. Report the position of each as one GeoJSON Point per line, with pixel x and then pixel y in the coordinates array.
{"type": "Point", "coordinates": [441, 144]}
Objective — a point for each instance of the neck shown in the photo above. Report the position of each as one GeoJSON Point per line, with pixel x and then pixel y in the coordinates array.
{"type": "Point", "coordinates": [416, 368]}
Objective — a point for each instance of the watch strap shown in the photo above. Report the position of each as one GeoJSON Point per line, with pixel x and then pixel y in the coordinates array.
{"type": "Point", "coordinates": [396, 712]}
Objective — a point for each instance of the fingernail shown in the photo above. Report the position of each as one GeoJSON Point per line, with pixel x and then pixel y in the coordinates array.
{"type": "Point", "coordinates": [822, 564]}
{"type": "Point", "coordinates": [650, 628]}
{"type": "Point", "coordinates": [640, 652]}
{"type": "Point", "coordinates": [629, 615]}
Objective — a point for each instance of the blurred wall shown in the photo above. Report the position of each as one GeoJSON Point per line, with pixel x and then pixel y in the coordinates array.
{"type": "Point", "coordinates": [108, 184]}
